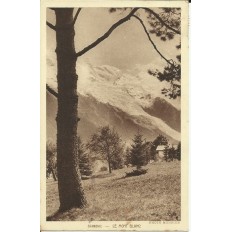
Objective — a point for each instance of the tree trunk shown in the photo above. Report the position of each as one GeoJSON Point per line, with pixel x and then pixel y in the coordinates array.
{"type": "Point", "coordinates": [108, 159]}
{"type": "Point", "coordinates": [71, 192]}
{"type": "Point", "coordinates": [109, 166]}
{"type": "Point", "coordinates": [54, 174]}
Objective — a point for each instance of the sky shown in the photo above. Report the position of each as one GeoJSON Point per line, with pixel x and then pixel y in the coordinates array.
{"type": "Point", "coordinates": [127, 47]}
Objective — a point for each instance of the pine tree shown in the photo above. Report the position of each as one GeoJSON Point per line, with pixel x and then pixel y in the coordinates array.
{"type": "Point", "coordinates": [138, 155]}
{"type": "Point", "coordinates": [178, 151]}
{"type": "Point", "coordinates": [128, 156]}
{"type": "Point", "coordinates": [148, 151]}
{"type": "Point", "coordinates": [83, 157]}
{"type": "Point", "coordinates": [171, 153]}
{"type": "Point", "coordinates": [166, 153]}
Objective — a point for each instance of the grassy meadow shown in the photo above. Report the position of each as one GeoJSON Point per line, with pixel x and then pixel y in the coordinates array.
{"type": "Point", "coordinates": [153, 196]}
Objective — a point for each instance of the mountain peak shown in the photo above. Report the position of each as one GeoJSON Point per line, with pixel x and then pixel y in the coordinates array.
{"type": "Point", "coordinates": [136, 96]}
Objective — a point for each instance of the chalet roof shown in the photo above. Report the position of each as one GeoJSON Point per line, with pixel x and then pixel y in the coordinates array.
{"type": "Point", "coordinates": [175, 146]}
{"type": "Point", "coordinates": [160, 148]}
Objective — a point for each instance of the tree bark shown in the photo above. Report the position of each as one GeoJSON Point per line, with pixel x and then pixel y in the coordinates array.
{"type": "Point", "coordinates": [71, 192]}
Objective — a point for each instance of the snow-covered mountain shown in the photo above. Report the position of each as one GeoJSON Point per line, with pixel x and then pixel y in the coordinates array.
{"type": "Point", "coordinates": [128, 100]}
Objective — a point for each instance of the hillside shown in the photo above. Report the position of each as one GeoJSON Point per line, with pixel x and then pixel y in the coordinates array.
{"type": "Point", "coordinates": [165, 111]}
{"type": "Point", "coordinates": [154, 196]}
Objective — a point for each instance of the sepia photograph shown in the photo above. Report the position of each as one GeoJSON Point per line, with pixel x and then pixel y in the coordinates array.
{"type": "Point", "coordinates": [114, 116]}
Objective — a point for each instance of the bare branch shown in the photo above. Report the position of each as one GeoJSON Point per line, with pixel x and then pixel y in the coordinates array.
{"type": "Point", "coordinates": [160, 19]}
{"type": "Point", "coordinates": [76, 15]}
{"type": "Point", "coordinates": [51, 26]}
{"type": "Point", "coordinates": [51, 91]}
{"type": "Point", "coordinates": [148, 35]}
{"type": "Point", "coordinates": [107, 34]}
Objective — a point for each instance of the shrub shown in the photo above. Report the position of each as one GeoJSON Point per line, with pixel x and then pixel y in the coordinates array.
{"type": "Point", "coordinates": [103, 169]}
{"type": "Point", "coordinates": [84, 160]}
{"type": "Point", "coordinates": [51, 162]}
{"type": "Point", "coordinates": [136, 172]}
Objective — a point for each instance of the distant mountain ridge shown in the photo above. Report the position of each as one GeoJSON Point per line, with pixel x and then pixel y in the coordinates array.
{"type": "Point", "coordinates": [163, 110]}
{"type": "Point", "coordinates": [127, 101]}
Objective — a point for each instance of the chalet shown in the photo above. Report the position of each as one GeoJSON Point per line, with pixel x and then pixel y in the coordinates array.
{"type": "Point", "coordinates": [160, 152]}
{"type": "Point", "coordinates": [159, 155]}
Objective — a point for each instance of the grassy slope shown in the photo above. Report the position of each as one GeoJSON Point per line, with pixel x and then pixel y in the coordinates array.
{"type": "Point", "coordinates": [153, 196]}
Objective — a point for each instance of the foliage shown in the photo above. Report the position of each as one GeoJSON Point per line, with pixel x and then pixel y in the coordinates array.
{"type": "Point", "coordinates": [138, 155]}
{"type": "Point", "coordinates": [127, 156]}
{"type": "Point", "coordinates": [147, 154]}
{"type": "Point", "coordinates": [171, 74]}
{"type": "Point", "coordinates": [102, 169]}
{"type": "Point", "coordinates": [166, 155]}
{"type": "Point", "coordinates": [171, 16]}
{"type": "Point", "coordinates": [178, 151]}
{"type": "Point", "coordinates": [147, 150]}
{"type": "Point", "coordinates": [117, 161]}
{"type": "Point", "coordinates": [161, 21]}
{"type": "Point", "coordinates": [170, 153]}
{"type": "Point", "coordinates": [165, 23]}
{"type": "Point", "coordinates": [83, 159]}
{"type": "Point", "coordinates": [172, 71]}
{"type": "Point", "coordinates": [51, 162]}
{"type": "Point", "coordinates": [136, 172]}
{"type": "Point", "coordinates": [108, 144]}
{"type": "Point", "coordinates": [160, 140]}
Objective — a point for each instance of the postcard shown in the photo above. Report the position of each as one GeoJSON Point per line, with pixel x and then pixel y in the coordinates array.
{"type": "Point", "coordinates": [114, 115]}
